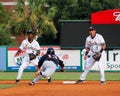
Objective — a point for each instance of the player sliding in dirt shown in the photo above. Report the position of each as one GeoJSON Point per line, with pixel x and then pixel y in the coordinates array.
{"type": "Point", "coordinates": [47, 66]}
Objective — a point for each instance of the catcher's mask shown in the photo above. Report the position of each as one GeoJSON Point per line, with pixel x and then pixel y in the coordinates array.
{"type": "Point", "coordinates": [50, 51]}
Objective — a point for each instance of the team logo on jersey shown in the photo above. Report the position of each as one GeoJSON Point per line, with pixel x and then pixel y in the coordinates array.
{"type": "Point", "coordinates": [117, 15]}
{"type": "Point", "coordinates": [26, 46]}
{"type": "Point", "coordinates": [90, 43]}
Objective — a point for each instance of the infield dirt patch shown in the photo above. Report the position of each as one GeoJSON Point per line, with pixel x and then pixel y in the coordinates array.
{"type": "Point", "coordinates": [42, 88]}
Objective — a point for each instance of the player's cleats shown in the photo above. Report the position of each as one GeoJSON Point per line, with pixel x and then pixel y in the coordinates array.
{"type": "Point", "coordinates": [49, 80]}
{"type": "Point", "coordinates": [31, 83]}
{"type": "Point", "coordinates": [17, 81]}
{"type": "Point", "coordinates": [80, 81]}
{"type": "Point", "coordinates": [103, 82]}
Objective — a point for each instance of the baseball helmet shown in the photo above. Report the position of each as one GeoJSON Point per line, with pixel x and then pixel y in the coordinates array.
{"type": "Point", "coordinates": [30, 31]}
{"type": "Point", "coordinates": [50, 51]}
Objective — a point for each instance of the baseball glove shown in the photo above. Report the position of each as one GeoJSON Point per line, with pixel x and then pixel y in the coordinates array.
{"type": "Point", "coordinates": [32, 56]}
{"type": "Point", "coordinates": [97, 56]}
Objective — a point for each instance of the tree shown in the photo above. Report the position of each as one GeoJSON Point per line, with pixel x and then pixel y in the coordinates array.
{"type": "Point", "coordinates": [5, 36]}
{"type": "Point", "coordinates": [3, 15]}
{"type": "Point", "coordinates": [35, 15]}
{"type": "Point", "coordinates": [4, 28]}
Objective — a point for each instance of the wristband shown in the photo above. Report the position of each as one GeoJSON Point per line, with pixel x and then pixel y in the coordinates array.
{"type": "Point", "coordinates": [19, 50]}
{"type": "Point", "coordinates": [86, 53]}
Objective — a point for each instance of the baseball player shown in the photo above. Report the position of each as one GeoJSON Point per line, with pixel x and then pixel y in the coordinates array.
{"type": "Point", "coordinates": [47, 66]}
{"type": "Point", "coordinates": [32, 50]}
{"type": "Point", "coordinates": [96, 44]}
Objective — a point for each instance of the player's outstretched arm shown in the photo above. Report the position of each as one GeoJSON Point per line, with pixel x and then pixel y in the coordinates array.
{"type": "Point", "coordinates": [61, 65]}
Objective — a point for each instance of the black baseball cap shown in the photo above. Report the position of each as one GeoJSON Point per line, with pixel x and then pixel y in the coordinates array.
{"type": "Point", "coordinates": [30, 31]}
{"type": "Point", "coordinates": [91, 28]}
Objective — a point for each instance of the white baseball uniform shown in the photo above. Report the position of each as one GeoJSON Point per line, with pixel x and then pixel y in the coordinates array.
{"type": "Point", "coordinates": [95, 45]}
{"type": "Point", "coordinates": [85, 60]}
{"type": "Point", "coordinates": [28, 48]}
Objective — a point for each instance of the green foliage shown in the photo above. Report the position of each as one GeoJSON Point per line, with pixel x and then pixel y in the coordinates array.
{"type": "Point", "coordinates": [4, 28]}
{"type": "Point", "coordinates": [5, 36]}
{"type": "Point", "coordinates": [81, 9]}
{"type": "Point", "coordinates": [36, 16]}
{"type": "Point", "coordinates": [3, 15]}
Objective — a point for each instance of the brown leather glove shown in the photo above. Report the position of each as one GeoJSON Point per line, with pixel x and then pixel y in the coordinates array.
{"type": "Point", "coordinates": [97, 56]}
{"type": "Point", "coordinates": [32, 56]}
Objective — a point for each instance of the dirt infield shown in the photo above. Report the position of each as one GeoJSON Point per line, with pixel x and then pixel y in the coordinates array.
{"type": "Point", "coordinates": [42, 88]}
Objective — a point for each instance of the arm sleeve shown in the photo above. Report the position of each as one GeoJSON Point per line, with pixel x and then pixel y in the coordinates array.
{"type": "Point", "coordinates": [86, 43]}
{"type": "Point", "coordinates": [61, 63]}
{"type": "Point", "coordinates": [83, 52]}
{"type": "Point", "coordinates": [37, 46]}
{"type": "Point", "coordinates": [102, 39]}
{"type": "Point", "coordinates": [22, 45]}
{"type": "Point", "coordinates": [42, 59]}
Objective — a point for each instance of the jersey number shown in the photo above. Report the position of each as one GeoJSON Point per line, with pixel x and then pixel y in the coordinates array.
{"type": "Point", "coordinates": [52, 56]}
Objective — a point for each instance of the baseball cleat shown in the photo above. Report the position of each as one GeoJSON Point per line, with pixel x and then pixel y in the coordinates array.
{"type": "Point", "coordinates": [17, 81]}
{"type": "Point", "coordinates": [32, 83]}
{"type": "Point", "coordinates": [80, 81]}
{"type": "Point", "coordinates": [103, 82]}
{"type": "Point", "coordinates": [49, 80]}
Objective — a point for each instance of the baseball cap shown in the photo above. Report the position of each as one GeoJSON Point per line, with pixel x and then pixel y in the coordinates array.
{"type": "Point", "coordinates": [91, 28]}
{"type": "Point", "coordinates": [30, 31]}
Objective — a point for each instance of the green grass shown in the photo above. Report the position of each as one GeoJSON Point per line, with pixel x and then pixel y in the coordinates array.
{"type": "Point", "coordinates": [61, 75]}
{"type": "Point", "coordinates": [3, 86]}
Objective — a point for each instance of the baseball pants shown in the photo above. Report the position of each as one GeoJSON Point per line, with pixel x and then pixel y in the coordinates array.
{"type": "Point", "coordinates": [90, 63]}
{"type": "Point", "coordinates": [24, 64]}
{"type": "Point", "coordinates": [48, 68]}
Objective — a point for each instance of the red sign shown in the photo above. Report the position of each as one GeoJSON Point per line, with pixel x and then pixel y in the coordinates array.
{"type": "Point", "coordinates": [106, 17]}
